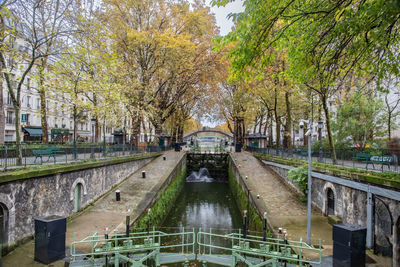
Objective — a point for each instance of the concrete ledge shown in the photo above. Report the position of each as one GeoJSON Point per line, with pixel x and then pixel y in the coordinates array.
{"type": "Point", "coordinates": [62, 168]}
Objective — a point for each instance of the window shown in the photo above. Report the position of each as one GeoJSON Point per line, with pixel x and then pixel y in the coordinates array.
{"type": "Point", "coordinates": [9, 100]}
{"type": "Point", "coordinates": [24, 117]}
{"type": "Point", "coordinates": [28, 101]}
{"type": "Point", "coordinates": [37, 103]}
{"type": "Point", "coordinates": [10, 117]}
{"type": "Point", "coordinates": [28, 84]}
{"type": "Point", "coordinates": [70, 125]}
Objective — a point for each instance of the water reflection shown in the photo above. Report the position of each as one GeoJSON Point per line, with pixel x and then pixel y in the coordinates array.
{"type": "Point", "coordinates": [204, 203]}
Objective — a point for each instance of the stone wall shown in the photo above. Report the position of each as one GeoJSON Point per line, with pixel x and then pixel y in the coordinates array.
{"type": "Point", "coordinates": [23, 200]}
{"type": "Point", "coordinates": [351, 205]}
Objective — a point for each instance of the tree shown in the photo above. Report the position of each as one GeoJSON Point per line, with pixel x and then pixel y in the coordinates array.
{"type": "Point", "coordinates": [327, 41]}
{"type": "Point", "coordinates": [52, 23]}
{"type": "Point", "coordinates": [360, 119]}
{"type": "Point", "coordinates": [23, 23]}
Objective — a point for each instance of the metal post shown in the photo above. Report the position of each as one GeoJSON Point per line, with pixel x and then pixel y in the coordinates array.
{"type": "Point", "coordinates": [127, 225]}
{"type": "Point", "coordinates": [244, 224]}
{"type": "Point", "coordinates": [309, 192]}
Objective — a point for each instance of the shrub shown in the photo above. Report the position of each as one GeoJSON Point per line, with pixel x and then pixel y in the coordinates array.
{"type": "Point", "coordinates": [299, 175]}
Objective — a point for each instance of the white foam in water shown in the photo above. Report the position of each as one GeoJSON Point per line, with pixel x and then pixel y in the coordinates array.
{"type": "Point", "coordinates": [201, 176]}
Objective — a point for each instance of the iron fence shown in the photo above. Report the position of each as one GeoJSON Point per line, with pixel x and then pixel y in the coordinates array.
{"type": "Point", "coordinates": [65, 153]}
{"type": "Point", "coordinates": [369, 159]}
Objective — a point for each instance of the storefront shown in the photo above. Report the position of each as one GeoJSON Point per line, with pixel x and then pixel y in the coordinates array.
{"type": "Point", "coordinates": [32, 134]}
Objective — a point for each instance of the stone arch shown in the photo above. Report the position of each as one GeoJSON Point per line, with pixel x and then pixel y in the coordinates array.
{"type": "Point", "coordinates": [8, 224]}
{"type": "Point", "coordinates": [75, 183]}
{"type": "Point", "coordinates": [329, 186]}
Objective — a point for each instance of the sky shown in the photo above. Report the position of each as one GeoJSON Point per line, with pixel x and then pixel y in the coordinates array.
{"type": "Point", "coordinates": [225, 26]}
{"type": "Point", "coordinates": [221, 13]}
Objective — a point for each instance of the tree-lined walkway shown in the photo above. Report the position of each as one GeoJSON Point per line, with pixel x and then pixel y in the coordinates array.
{"type": "Point", "coordinates": [107, 212]}
{"type": "Point", "coordinates": [284, 206]}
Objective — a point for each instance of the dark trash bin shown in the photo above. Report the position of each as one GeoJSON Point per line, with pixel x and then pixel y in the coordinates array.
{"type": "Point", "coordinates": [238, 148]}
{"type": "Point", "coordinates": [50, 238]}
{"type": "Point", "coordinates": [348, 245]}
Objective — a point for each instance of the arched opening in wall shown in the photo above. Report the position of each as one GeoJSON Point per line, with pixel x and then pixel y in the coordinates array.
{"type": "Point", "coordinates": [383, 228]}
{"type": "Point", "coordinates": [3, 225]}
{"type": "Point", "coordinates": [331, 202]}
{"type": "Point", "coordinates": [77, 197]}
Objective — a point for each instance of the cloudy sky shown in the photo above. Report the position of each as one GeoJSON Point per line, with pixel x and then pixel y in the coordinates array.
{"type": "Point", "coordinates": [221, 13]}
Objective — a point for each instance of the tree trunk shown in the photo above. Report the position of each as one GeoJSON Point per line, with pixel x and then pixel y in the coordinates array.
{"type": "Point", "coordinates": [43, 115]}
{"type": "Point", "coordinates": [2, 116]}
{"type": "Point", "coordinates": [389, 126]}
{"type": "Point", "coordinates": [328, 128]}
{"type": "Point", "coordinates": [261, 123]}
{"type": "Point", "coordinates": [18, 134]}
{"type": "Point", "coordinates": [277, 132]}
{"type": "Point", "coordinates": [288, 126]}
{"type": "Point", "coordinates": [271, 135]}
{"type": "Point", "coordinates": [136, 130]}
{"type": "Point", "coordinates": [180, 133]}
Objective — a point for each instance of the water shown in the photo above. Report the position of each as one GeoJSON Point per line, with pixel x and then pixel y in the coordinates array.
{"type": "Point", "coordinates": [204, 203]}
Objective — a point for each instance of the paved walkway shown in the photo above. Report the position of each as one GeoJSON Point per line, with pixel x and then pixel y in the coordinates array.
{"type": "Point", "coordinates": [107, 212]}
{"type": "Point", "coordinates": [284, 206]}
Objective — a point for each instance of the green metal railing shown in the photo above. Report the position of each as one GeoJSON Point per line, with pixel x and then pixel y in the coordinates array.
{"type": "Point", "coordinates": [151, 248]}
{"type": "Point", "coordinates": [156, 248]}
{"type": "Point", "coordinates": [254, 251]}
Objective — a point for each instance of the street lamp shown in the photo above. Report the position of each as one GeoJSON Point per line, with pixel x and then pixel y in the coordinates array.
{"type": "Point", "coordinates": [92, 124]}
{"type": "Point", "coordinates": [308, 134]}
{"type": "Point", "coordinates": [320, 127]}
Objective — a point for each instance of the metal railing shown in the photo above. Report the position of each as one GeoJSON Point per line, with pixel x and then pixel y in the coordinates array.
{"type": "Point", "coordinates": [223, 247]}
{"type": "Point", "coordinates": [65, 153]}
{"type": "Point", "coordinates": [371, 159]}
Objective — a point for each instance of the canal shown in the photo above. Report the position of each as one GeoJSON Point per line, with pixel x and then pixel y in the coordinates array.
{"type": "Point", "coordinates": [204, 202]}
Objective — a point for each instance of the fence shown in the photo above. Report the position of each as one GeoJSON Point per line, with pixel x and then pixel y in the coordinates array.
{"type": "Point", "coordinates": [64, 153]}
{"type": "Point", "coordinates": [370, 159]}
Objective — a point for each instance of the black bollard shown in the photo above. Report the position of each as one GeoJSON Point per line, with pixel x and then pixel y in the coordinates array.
{"type": "Point", "coordinates": [164, 158]}
{"type": "Point", "coordinates": [118, 195]}
{"type": "Point", "coordinates": [143, 174]}
{"type": "Point", "coordinates": [244, 223]}
{"type": "Point", "coordinates": [127, 225]}
{"type": "Point", "coordinates": [265, 227]}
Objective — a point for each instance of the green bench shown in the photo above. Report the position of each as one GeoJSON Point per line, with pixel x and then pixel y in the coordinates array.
{"type": "Point", "coordinates": [384, 160]}
{"type": "Point", "coordinates": [362, 157]}
{"type": "Point", "coordinates": [47, 152]}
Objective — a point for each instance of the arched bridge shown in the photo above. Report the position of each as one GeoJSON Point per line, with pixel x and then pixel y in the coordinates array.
{"type": "Point", "coordinates": [207, 130]}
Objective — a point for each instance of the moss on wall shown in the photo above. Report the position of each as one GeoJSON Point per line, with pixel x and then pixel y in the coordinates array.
{"type": "Point", "coordinates": [255, 220]}
{"type": "Point", "coordinates": [162, 206]}
{"type": "Point", "coordinates": [45, 170]}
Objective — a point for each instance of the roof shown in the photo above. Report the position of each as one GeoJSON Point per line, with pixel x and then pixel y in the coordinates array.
{"type": "Point", "coordinates": [255, 135]}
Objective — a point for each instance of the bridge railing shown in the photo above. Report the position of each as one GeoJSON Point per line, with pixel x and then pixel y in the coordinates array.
{"type": "Point", "coordinates": [218, 246]}
{"type": "Point", "coordinates": [136, 247]}
{"type": "Point", "coordinates": [253, 249]}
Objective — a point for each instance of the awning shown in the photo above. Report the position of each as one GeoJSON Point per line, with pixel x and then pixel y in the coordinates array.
{"type": "Point", "coordinates": [33, 131]}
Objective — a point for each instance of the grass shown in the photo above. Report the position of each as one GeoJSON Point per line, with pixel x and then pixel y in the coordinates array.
{"type": "Point", "coordinates": [44, 170]}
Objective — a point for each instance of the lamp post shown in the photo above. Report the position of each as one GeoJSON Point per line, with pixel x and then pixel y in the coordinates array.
{"type": "Point", "coordinates": [320, 126]}
{"type": "Point", "coordinates": [308, 134]}
{"type": "Point", "coordinates": [92, 124]}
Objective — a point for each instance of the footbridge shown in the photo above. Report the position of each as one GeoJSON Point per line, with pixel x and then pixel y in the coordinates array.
{"type": "Point", "coordinates": [206, 130]}
{"type": "Point", "coordinates": [156, 248]}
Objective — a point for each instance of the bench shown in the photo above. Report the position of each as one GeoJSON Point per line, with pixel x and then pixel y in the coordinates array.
{"type": "Point", "coordinates": [362, 157]}
{"type": "Point", "coordinates": [384, 160]}
{"type": "Point", "coordinates": [48, 151]}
